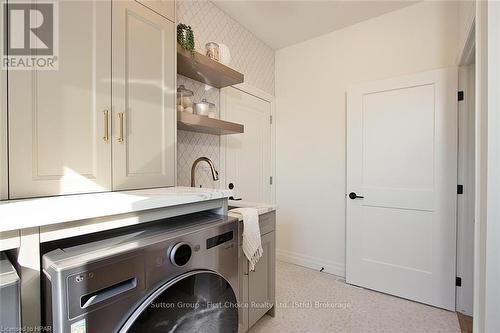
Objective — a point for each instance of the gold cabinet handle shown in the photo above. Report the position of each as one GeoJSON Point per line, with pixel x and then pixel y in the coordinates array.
{"type": "Point", "coordinates": [106, 126]}
{"type": "Point", "coordinates": [120, 118]}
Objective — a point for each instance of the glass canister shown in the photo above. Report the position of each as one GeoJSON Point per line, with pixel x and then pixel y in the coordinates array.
{"type": "Point", "coordinates": [202, 108]}
{"type": "Point", "coordinates": [184, 99]}
{"type": "Point", "coordinates": [212, 50]}
{"type": "Point", "coordinates": [212, 110]}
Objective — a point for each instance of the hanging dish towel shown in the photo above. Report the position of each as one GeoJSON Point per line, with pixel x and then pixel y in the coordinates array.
{"type": "Point", "coordinates": [252, 246]}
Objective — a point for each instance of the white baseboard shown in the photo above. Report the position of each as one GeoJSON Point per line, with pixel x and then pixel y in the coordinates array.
{"type": "Point", "coordinates": [311, 262]}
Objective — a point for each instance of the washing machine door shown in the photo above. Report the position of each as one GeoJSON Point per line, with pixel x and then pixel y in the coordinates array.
{"type": "Point", "coordinates": [198, 301]}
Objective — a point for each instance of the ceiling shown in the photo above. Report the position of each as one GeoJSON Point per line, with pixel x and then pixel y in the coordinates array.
{"type": "Point", "coordinates": [283, 23]}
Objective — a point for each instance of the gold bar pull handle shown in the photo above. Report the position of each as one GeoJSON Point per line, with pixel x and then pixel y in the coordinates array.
{"type": "Point", "coordinates": [106, 126]}
{"type": "Point", "coordinates": [120, 118]}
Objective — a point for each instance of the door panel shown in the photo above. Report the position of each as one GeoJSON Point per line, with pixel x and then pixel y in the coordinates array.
{"type": "Point", "coordinates": [56, 117]}
{"type": "Point", "coordinates": [143, 95]}
{"type": "Point", "coordinates": [406, 229]}
{"type": "Point", "coordinates": [402, 161]}
{"type": "Point", "coordinates": [411, 126]}
{"type": "Point", "coordinates": [248, 155]}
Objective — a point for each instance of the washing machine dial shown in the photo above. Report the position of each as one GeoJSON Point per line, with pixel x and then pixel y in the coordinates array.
{"type": "Point", "coordinates": [180, 254]}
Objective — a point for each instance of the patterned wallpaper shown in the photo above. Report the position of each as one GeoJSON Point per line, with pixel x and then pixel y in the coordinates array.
{"type": "Point", "coordinates": [249, 55]}
{"type": "Point", "coordinates": [191, 145]}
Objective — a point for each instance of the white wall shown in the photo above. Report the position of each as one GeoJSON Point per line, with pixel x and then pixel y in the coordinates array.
{"type": "Point", "coordinates": [311, 80]}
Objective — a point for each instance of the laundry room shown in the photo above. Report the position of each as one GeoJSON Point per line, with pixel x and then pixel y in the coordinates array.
{"type": "Point", "coordinates": [249, 166]}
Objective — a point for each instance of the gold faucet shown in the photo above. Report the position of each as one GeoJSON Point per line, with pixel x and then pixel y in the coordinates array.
{"type": "Point", "coordinates": [215, 173]}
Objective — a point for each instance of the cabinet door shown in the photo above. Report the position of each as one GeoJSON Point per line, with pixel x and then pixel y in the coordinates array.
{"type": "Point", "coordinates": [163, 7]}
{"type": "Point", "coordinates": [262, 282]}
{"type": "Point", "coordinates": [143, 98]}
{"type": "Point", "coordinates": [56, 117]}
{"type": "Point", "coordinates": [3, 128]}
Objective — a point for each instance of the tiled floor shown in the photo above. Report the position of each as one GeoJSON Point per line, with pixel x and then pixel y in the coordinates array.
{"type": "Point", "coordinates": [345, 308]}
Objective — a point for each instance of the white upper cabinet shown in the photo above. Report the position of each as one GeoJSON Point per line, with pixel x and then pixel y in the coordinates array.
{"type": "Point", "coordinates": [56, 117]}
{"type": "Point", "coordinates": [163, 7]}
{"type": "Point", "coordinates": [144, 131]}
{"type": "Point", "coordinates": [68, 126]}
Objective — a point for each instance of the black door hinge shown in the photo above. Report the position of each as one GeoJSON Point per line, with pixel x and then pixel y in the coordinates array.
{"type": "Point", "coordinates": [460, 95]}
{"type": "Point", "coordinates": [458, 281]}
{"type": "Point", "coordinates": [460, 189]}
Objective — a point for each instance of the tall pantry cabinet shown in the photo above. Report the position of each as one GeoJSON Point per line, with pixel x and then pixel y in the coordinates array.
{"type": "Point", "coordinates": [105, 119]}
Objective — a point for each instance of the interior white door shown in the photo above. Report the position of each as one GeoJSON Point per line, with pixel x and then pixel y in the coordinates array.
{"type": "Point", "coordinates": [56, 117]}
{"type": "Point", "coordinates": [144, 125]}
{"type": "Point", "coordinates": [402, 165]}
{"type": "Point", "coordinates": [248, 155]}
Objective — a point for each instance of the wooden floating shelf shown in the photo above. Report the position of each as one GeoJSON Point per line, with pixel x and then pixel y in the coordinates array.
{"type": "Point", "coordinates": [206, 70]}
{"type": "Point", "coordinates": [201, 124]}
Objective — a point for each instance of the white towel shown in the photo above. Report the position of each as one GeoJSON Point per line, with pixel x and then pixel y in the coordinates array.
{"type": "Point", "coordinates": [252, 245]}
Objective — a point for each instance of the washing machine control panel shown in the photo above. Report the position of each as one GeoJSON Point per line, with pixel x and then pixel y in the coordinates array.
{"type": "Point", "coordinates": [220, 239]}
{"type": "Point", "coordinates": [180, 254]}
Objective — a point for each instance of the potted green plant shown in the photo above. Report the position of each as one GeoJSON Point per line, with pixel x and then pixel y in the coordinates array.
{"type": "Point", "coordinates": [185, 38]}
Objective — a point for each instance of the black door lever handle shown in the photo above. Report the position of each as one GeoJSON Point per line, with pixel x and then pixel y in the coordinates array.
{"type": "Point", "coordinates": [353, 196]}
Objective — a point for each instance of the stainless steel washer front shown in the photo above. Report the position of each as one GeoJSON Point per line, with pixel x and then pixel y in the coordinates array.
{"type": "Point", "coordinates": [10, 314]}
{"type": "Point", "coordinates": [180, 275]}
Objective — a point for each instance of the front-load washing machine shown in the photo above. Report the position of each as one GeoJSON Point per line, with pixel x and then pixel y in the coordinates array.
{"type": "Point", "coordinates": [180, 275]}
{"type": "Point", "coordinates": [10, 314]}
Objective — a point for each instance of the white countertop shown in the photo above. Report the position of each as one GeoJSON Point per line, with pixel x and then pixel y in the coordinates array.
{"type": "Point", "coordinates": [261, 207]}
{"type": "Point", "coordinates": [19, 214]}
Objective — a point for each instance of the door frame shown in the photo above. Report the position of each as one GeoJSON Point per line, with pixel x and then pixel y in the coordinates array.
{"type": "Point", "coordinates": [256, 92]}
{"type": "Point", "coordinates": [465, 201]}
{"type": "Point", "coordinates": [465, 177]}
